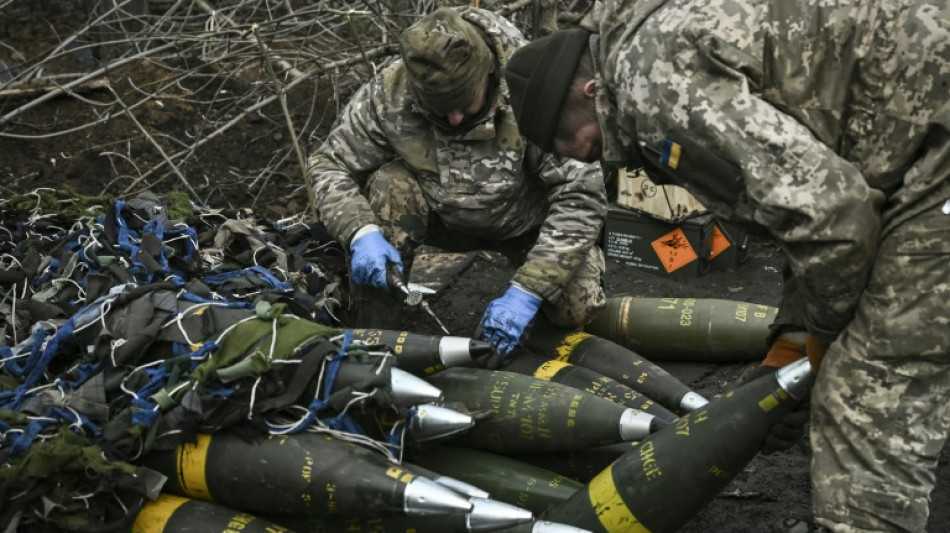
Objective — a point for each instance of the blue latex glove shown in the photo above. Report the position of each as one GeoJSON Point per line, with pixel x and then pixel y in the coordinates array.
{"type": "Point", "coordinates": [370, 254]}
{"type": "Point", "coordinates": [505, 320]}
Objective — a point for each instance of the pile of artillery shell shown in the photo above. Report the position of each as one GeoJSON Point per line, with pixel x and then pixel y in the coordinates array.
{"type": "Point", "coordinates": [203, 370]}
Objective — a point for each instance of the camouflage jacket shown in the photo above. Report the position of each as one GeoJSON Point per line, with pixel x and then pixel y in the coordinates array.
{"type": "Point", "coordinates": [486, 180]}
{"type": "Point", "coordinates": [795, 116]}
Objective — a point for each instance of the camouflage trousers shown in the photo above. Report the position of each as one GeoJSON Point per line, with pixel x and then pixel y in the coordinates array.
{"type": "Point", "coordinates": [408, 222]}
{"type": "Point", "coordinates": [880, 409]}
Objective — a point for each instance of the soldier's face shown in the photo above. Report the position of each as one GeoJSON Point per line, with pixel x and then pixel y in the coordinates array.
{"type": "Point", "coordinates": [458, 116]}
{"type": "Point", "coordinates": [473, 109]}
{"type": "Point", "coordinates": [584, 144]}
{"type": "Point", "coordinates": [578, 134]}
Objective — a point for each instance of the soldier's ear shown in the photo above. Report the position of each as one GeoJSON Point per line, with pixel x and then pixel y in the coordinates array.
{"type": "Point", "coordinates": [588, 89]}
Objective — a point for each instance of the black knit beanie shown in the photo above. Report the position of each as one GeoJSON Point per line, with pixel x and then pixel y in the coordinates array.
{"type": "Point", "coordinates": [539, 75]}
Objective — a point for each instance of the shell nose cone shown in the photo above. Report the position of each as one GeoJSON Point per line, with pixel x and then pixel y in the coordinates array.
{"type": "Point", "coordinates": [637, 425]}
{"type": "Point", "coordinates": [462, 487]}
{"type": "Point", "coordinates": [489, 515]}
{"type": "Point", "coordinates": [412, 390]}
{"type": "Point", "coordinates": [425, 497]}
{"type": "Point", "coordinates": [434, 422]}
{"type": "Point", "coordinates": [692, 401]}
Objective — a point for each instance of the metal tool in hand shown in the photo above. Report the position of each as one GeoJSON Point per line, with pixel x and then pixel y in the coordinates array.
{"type": "Point", "coordinates": [414, 294]}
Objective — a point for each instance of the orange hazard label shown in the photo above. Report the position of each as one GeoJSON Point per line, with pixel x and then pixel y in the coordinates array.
{"type": "Point", "coordinates": [719, 243]}
{"type": "Point", "coordinates": [674, 250]}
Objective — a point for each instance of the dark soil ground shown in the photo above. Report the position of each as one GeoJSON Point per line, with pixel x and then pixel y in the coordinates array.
{"type": "Point", "coordinates": [771, 488]}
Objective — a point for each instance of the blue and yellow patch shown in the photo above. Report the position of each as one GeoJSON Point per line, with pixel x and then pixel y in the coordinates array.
{"type": "Point", "coordinates": [670, 154]}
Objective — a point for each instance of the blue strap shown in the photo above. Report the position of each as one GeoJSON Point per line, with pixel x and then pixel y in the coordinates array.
{"type": "Point", "coordinates": [83, 373]}
{"type": "Point", "coordinates": [47, 273]}
{"type": "Point", "coordinates": [38, 364]}
{"type": "Point", "coordinates": [56, 415]}
{"type": "Point", "coordinates": [21, 442]}
{"type": "Point", "coordinates": [20, 368]}
{"type": "Point", "coordinates": [144, 413]}
{"type": "Point", "coordinates": [192, 297]}
{"type": "Point", "coordinates": [265, 275]}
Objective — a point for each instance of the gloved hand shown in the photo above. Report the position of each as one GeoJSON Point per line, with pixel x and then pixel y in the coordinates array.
{"type": "Point", "coordinates": [505, 320]}
{"type": "Point", "coordinates": [370, 254]}
{"type": "Point", "coordinates": [815, 350]}
{"type": "Point", "coordinates": [784, 350]}
{"type": "Point", "coordinates": [789, 430]}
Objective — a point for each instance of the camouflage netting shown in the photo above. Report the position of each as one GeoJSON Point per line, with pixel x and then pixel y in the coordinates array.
{"type": "Point", "coordinates": [131, 326]}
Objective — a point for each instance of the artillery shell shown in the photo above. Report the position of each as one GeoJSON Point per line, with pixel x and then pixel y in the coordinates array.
{"type": "Point", "coordinates": [579, 465]}
{"type": "Point", "coordinates": [686, 329]}
{"type": "Point", "coordinates": [425, 354]}
{"type": "Point", "coordinates": [688, 463]}
{"type": "Point", "coordinates": [175, 514]}
{"type": "Point", "coordinates": [305, 473]}
{"type": "Point", "coordinates": [613, 360]}
{"type": "Point", "coordinates": [486, 515]}
{"type": "Point", "coordinates": [587, 380]}
{"type": "Point", "coordinates": [506, 479]}
{"type": "Point", "coordinates": [523, 413]}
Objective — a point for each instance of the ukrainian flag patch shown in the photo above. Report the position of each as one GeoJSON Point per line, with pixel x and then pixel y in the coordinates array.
{"type": "Point", "coordinates": [670, 155]}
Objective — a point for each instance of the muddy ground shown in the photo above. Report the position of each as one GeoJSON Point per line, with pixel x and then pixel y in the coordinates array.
{"type": "Point", "coordinates": [771, 488]}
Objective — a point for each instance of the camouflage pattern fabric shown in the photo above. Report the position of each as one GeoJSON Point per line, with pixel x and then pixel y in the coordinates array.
{"type": "Point", "coordinates": [481, 179]}
{"type": "Point", "coordinates": [880, 414]}
{"type": "Point", "coordinates": [405, 220]}
{"type": "Point", "coordinates": [827, 124]}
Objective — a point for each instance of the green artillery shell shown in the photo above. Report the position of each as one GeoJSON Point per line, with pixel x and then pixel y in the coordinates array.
{"type": "Point", "coordinates": [579, 465]}
{"type": "Point", "coordinates": [588, 380]}
{"type": "Point", "coordinates": [506, 479]}
{"type": "Point", "coordinates": [407, 388]}
{"type": "Point", "coordinates": [425, 354]}
{"type": "Point", "coordinates": [670, 476]}
{"type": "Point", "coordinates": [615, 361]}
{"type": "Point", "coordinates": [305, 473]}
{"type": "Point", "coordinates": [526, 413]}
{"type": "Point", "coordinates": [466, 489]}
{"type": "Point", "coordinates": [174, 514]}
{"type": "Point", "coordinates": [486, 515]}
{"type": "Point", "coordinates": [686, 329]}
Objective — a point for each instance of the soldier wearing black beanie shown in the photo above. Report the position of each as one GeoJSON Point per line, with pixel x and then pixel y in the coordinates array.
{"type": "Point", "coordinates": [539, 83]}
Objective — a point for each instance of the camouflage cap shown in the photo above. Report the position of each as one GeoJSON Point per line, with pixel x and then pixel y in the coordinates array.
{"type": "Point", "coordinates": [447, 60]}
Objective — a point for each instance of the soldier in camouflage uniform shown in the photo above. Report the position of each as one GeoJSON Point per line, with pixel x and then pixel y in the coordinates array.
{"type": "Point", "coordinates": [428, 151]}
{"type": "Point", "coordinates": [827, 125]}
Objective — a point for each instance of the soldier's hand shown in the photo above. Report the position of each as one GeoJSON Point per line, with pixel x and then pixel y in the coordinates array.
{"type": "Point", "coordinates": [506, 318]}
{"type": "Point", "coordinates": [792, 427]}
{"type": "Point", "coordinates": [815, 350]}
{"type": "Point", "coordinates": [789, 430]}
{"type": "Point", "coordinates": [371, 253]}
